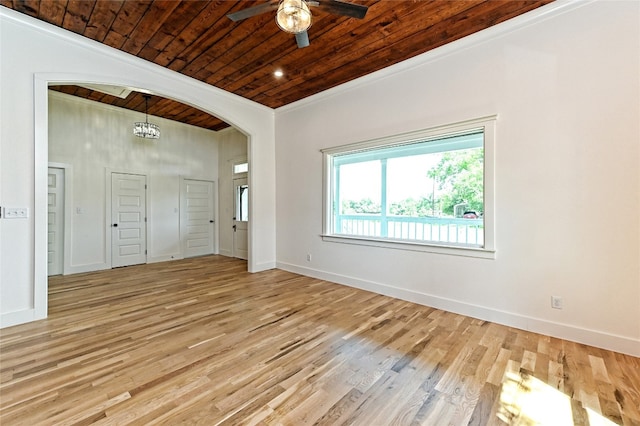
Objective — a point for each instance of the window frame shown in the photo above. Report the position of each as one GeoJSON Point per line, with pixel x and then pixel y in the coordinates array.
{"type": "Point", "coordinates": [487, 251]}
{"type": "Point", "coordinates": [237, 163]}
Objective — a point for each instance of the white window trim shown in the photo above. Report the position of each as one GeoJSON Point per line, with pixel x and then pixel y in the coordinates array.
{"type": "Point", "coordinates": [236, 162]}
{"type": "Point", "coordinates": [488, 251]}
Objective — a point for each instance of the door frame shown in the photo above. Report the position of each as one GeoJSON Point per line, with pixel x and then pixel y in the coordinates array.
{"type": "Point", "coordinates": [107, 212]}
{"type": "Point", "coordinates": [262, 133]}
{"type": "Point", "coordinates": [241, 175]}
{"type": "Point", "coordinates": [68, 202]}
{"type": "Point", "coordinates": [234, 250]}
{"type": "Point", "coordinates": [216, 221]}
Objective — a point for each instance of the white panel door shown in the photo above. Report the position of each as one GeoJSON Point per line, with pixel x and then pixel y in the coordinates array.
{"type": "Point", "coordinates": [128, 219]}
{"type": "Point", "coordinates": [55, 219]}
{"type": "Point", "coordinates": [197, 217]}
{"type": "Point", "coordinates": [241, 219]}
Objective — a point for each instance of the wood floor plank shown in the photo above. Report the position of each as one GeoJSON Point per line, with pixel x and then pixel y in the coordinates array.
{"type": "Point", "coordinates": [202, 341]}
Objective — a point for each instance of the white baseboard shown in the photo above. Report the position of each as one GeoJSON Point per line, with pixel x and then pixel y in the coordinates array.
{"type": "Point", "coordinates": [91, 267]}
{"type": "Point", "coordinates": [622, 344]}
{"type": "Point", "coordinates": [227, 253]}
{"type": "Point", "coordinates": [164, 258]}
{"type": "Point", "coordinates": [19, 317]}
{"type": "Point", "coordinates": [263, 267]}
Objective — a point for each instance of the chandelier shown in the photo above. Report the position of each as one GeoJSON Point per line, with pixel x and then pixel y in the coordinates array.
{"type": "Point", "coordinates": [294, 16]}
{"type": "Point", "coordinates": [145, 129]}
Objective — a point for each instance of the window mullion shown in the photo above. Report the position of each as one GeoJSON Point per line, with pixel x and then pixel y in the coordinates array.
{"type": "Point", "coordinates": [383, 198]}
{"type": "Point", "coordinates": [337, 214]}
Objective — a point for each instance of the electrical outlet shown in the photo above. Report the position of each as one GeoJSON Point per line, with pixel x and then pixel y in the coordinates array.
{"type": "Point", "coordinates": [556, 302]}
{"type": "Point", "coordinates": [308, 257]}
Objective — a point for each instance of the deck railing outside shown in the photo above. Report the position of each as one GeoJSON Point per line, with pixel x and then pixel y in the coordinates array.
{"type": "Point", "coordinates": [458, 231]}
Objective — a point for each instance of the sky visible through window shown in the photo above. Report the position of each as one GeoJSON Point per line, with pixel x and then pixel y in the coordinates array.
{"type": "Point", "coordinates": [406, 178]}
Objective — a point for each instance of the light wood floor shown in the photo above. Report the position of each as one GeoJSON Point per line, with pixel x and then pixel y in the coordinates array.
{"type": "Point", "coordinates": [201, 341]}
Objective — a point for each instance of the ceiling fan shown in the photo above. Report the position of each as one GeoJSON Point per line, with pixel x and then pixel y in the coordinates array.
{"type": "Point", "coordinates": [294, 16]}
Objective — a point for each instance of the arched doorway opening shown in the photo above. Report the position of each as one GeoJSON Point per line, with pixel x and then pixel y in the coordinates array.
{"type": "Point", "coordinates": [193, 98]}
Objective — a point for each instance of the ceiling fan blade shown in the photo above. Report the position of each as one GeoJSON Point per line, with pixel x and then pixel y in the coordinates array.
{"type": "Point", "coordinates": [302, 39]}
{"type": "Point", "coordinates": [253, 11]}
{"type": "Point", "coordinates": [338, 7]}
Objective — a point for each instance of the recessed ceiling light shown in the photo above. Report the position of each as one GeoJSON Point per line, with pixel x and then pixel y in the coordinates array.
{"type": "Point", "coordinates": [278, 73]}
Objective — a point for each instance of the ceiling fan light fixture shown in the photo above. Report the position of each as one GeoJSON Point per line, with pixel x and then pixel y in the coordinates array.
{"type": "Point", "coordinates": [145, 129]}
{"type": "Point", "coordinates": [293, 16]}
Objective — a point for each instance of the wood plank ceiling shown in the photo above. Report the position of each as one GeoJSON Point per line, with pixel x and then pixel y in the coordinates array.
{"type": "Point", "coordinates": [195, 38]}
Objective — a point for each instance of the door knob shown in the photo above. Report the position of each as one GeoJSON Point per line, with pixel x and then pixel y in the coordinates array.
{"type": "Point", "coordinates": [115, 225]}
{"type": "Point", "coordinates": [211, 221]}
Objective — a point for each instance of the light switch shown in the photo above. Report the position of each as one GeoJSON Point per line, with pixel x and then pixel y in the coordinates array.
{"type": "Point", "coordinates": [16, 212]}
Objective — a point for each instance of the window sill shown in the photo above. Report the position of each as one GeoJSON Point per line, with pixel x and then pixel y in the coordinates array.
{"type": "Point", "coordinates": [477, 252]}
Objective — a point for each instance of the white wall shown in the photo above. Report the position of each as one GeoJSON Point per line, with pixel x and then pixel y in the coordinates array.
{"type": "Point", "coordinates": [32, 54]}
{"type": "Point", "coordinates": [567, 96]}
{"type": "Point", "coordinates": [94, 139]}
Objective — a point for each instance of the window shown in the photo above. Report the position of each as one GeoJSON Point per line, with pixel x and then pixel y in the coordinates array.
{"type": "Point", "coordinates": [242, 203]}
{"type": "Point", "coordinates": [240, 168]}
{"type": "Point", "coordinates": [426, 190]}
